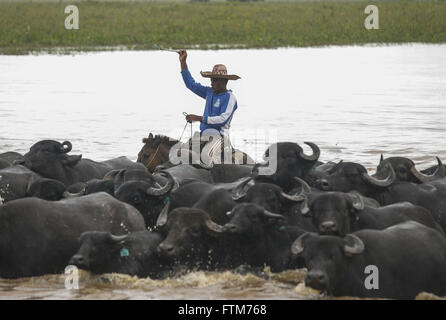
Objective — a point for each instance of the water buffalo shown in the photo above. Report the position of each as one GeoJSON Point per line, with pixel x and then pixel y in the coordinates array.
{"type": "Point", "coordinates": [149, 193]}
{"type": "Point", "coordinates": [132, 254]}
{"type": "Point", "coordinates": [146, 196]}
{"type": "Point", "coordinates": [272, 198]}
{"type": "Point", "coordinates": [192, 239]}
{"type": "Point", "coordinates": [432, 170]}
{"type": "Point", "coordinates": [429, 195]}
{"type": "Point", "coordinates": [216, 203]}
{"type": "Point", "coordinates": [91, 186]}
{"type": "Point", "coordinates": [291, 162]}
{"type": "Point", "coordinates": [112, 181]}
{"type": "Point", "coordinates": [121, 176]}
{"type": "Point", "coordinates": [319, 171]}
{"type": "Point", "coordinates": [348, 176]}
{"type": "Point", "coordinates": [188, 194]}
{"type": "Point", "coordinates": [215, 199]}
{"type": "Point", "coordinates": [268, 195]}
{"type": "Point", "coordinates": [51, 160]}
{"type": "Point", "coordinates": [15, 182]}
{"type": "Point", "coordinates": [225, 173]}
{"type": "Point", "coordinates": [409, 258]}
{"type": "Point", "coordinates": [47, 189]}
{"type": "Point", "coordinates": [405, 170]}
{"type": "Point", "coordinates": [258, 237]}
{"type": "Point", "coordinates": [11, 157]}
{"type": "Point", "coordinates": [39, 237]}
{"type": "Point", "coordinates": [219, 173]}
{"type": "Point", "coordinates": [338, 213]}
{"type": "Point", "coordinates": [186, 172]}
{"type": "Point", "coordinates": [4, 164]}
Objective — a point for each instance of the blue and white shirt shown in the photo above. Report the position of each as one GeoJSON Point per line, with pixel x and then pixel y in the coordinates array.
{"type": "Point", "coordinates": [219, 107]}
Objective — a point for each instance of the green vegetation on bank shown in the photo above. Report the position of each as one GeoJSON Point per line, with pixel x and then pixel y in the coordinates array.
{"type": "Point", "coordinates": [26, 27]}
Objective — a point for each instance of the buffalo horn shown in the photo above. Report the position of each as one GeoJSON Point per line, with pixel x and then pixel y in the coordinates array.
{"type": "Point", "coordinates": [162, 218]}
{"type": "Point", "coordinates": [439, 173]}
{"type": "Point", "coordinates": [304, 208]}
{"type": "Point", "coordinates": [153, 191]}
{"type": "Point", "coordinates": [212, 226]}
{"type": "Point", "coordinates": [67, 194]}
{"type": "Point", "coordinates": [66, 147]}
{"type": "Point", "coordinates": [240, 191]}
{"type": "Point", "coordinates": [335, 167]}
{"type": "Point", "coordinates": [295, 197]}
{"type": "Point", "coordinates": [118, 238]}
{"type": "Point", "coordinates": [297, 246]}
{"type": "Point", "coordinates": [306, 189]}
{"type": "Point", "coordinates": [314, 156]}
{"type": "Point", "coordinates": [269, 214]}
{"type": "Point", "coordinates": [381, 183]}
{"type": "Point", "coordinates": [358, 245]}
{"type": "Point", "coordinates": [166, 174]}
{"type": "Point", "coordinates": [356, 200]}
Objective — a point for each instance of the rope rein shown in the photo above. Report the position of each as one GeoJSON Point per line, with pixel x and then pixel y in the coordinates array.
{"type": "Point", "coordinates": [154, 155]}
{"type": "Point", "coordinates": [184, 129]}
{"type": "Point", "coordinates": [157, 149]}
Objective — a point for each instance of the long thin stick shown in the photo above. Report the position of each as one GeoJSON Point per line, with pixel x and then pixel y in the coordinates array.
{"type": "Point", "coordinates": [162, 49]}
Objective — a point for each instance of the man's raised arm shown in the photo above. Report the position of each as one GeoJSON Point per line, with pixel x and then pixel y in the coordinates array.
{"type": "Point", "coordinates": [190, 83]}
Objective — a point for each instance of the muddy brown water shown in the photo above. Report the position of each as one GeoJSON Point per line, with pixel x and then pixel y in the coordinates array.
{"type": "Point", "coordinates": [190, 285]}
{"type": "Point", "coordinates": [195, 285]}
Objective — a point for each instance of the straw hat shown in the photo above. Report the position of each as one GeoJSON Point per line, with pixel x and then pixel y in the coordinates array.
{"type": "Point", "coordinates": [219, 71]}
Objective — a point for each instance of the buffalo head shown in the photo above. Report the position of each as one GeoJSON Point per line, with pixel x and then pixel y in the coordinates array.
{"type": "Point", "coordinates": [333, 213]}
{"type": "Point", "coordinates": [50, 159]}
{"type": "Point", "coordinates": [190, 233]}
{"type": "Point", "coordinates": [269, 195]}
{"type": "Point", "coordinates": [291, 162]}
{"type": "Point", "coordinates": [350, 176]}
{"type": "Point", "coordinates": [146, 196]}
{"type": "Point", "coordinates": [249, 220]}
{"type": "Point", "coordinates": [98, 251]}
{"type": "Point", "coordinates": [325, 258]}
{"type": "Point", "coordinates": [47, 189]}
{"type": "Point", "coordinates": [405, 170]}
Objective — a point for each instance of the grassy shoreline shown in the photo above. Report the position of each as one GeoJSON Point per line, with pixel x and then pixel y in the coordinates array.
{"type": "Point", "coordinates": [35, 27]}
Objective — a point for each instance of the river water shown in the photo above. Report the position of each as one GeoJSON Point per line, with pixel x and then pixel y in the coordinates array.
{"type": "Point", "coordinates": [355, 102]}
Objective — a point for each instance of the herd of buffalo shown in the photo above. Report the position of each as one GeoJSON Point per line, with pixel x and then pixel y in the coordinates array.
{"type": "Point", "coordinates": [334, 219]}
